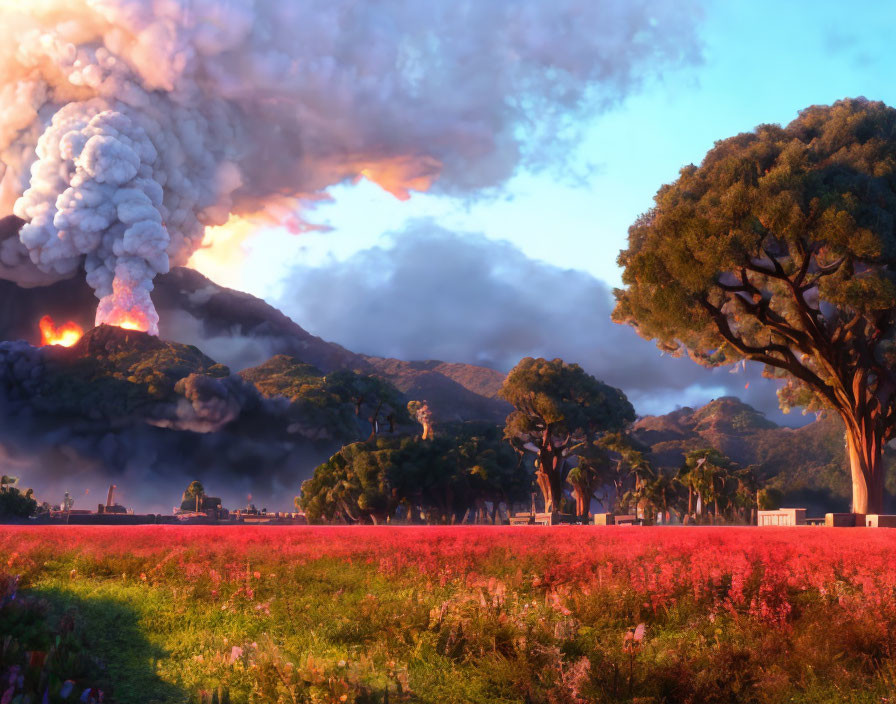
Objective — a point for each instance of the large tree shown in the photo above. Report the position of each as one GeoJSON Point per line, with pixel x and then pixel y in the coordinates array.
{"type": "Point", "coordinates": [558, 407]}
{"type": "Point", "coordinates": [352, 485]}
{"type": "Point", "coordinates": [780, 248]}
{"type": "Point", "coordinates": [372, 397]}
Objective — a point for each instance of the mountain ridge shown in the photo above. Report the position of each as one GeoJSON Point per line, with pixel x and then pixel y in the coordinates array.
{"type": "Point", "coordinates": [193, 309]}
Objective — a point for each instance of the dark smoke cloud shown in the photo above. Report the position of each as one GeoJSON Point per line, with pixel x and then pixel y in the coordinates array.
{"type": "Point", "coordinates": [434, 294]}
{"type": "Point", "coordinates": [220, 431]}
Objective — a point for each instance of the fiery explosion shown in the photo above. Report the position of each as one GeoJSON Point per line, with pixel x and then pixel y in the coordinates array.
{"type": "Point", "coordinates": [66, 335]}
{"type": "Point", "coordinates": [128, 320]}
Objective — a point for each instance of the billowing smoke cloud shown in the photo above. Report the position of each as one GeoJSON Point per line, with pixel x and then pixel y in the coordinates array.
{"type": "Point", "coordinates": [128, 126]}
{"type": "Point", "coordinates": [434, 294]}
{"type": "Point", "coordinates": [218, 430]}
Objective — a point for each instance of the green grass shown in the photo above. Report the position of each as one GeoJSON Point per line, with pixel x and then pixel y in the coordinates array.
{"type": "Point", "coordinates": [242, 623]}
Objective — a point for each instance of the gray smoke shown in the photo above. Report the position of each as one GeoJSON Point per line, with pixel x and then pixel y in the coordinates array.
{"type": "Point", "coordinates": [129, 126]}
{"type": "Point", "coordinates": [217, 430]}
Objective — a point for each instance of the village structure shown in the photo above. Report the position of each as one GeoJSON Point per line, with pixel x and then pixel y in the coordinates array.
{"type": "Point", "coordinates": [199, 509]}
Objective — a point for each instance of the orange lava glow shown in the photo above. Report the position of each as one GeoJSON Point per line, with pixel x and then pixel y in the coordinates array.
{"type": "Point", "coordinates": [65, 335]}
{"type": "Point", "coordinates": [128, 320]}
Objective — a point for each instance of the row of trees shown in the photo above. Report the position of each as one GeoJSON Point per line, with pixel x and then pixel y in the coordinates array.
{"type": "Point", "coordinates": [780, 248]}
{"type": "Point", "coordinates": [567, 439]}
{"type": "Point", "coordinates": [445, 479]}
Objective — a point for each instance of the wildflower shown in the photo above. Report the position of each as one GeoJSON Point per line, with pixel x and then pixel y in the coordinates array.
{"type": "Point", "coordinates": [235, 653]}
{"type": "Point", "coordinates": [66, 689]}
{"type": "Point", "coordinates": [633, 639]}
{"type": "Point", "coordinates": [91, 696]}
{"type": "Point", "coordinates": [36, 658]}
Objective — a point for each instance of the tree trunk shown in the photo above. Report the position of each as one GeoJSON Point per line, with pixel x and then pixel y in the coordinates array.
{"type": "Point", "coordinates": [864, 445]}
{"type": "Point", "coordinates": [582, 497]}
{"type": "Point", "coordinates": [551, 471]}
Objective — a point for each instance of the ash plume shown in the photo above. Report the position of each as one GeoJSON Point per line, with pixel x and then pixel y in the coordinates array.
{"type": "Point", "coordinates": [129, 126]}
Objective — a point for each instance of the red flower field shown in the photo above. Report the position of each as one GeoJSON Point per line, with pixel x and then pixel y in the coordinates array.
{"type": "Point", "coordinates": [492, 614]}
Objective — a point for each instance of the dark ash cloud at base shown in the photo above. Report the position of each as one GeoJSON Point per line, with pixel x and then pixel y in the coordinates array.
{"type": "Point", "coordinates": [78, 419]}
{"type": "Point", "coordinates": [435, 294]}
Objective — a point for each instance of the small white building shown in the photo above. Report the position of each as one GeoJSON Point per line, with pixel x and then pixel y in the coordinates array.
{"type": "Point", "coordinates": [782, 517]}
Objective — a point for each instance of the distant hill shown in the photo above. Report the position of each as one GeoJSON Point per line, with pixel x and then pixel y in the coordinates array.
{"type": "Point", "coordinates": [113, 378]}
{"type": "Point", "coordinates": [808, 464]}
{"type": "Point", "coordinates": [193, 309]}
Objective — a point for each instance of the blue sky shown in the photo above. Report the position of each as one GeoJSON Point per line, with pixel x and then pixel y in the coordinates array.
{"type": "Point", "coordinates": [761, 62]}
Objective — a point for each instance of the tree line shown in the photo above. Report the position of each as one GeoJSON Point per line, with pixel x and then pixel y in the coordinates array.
{"type": "Point", "coordinates": [566, 444]}
{"type": "Point", "coordinates": [778, 248]}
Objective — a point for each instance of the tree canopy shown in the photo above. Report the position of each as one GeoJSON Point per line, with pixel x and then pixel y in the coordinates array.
{"type": "Point", "coordinates": [335, 405]}
{"type": "Point", "coordinates": [17, 504]}
{"type": "Point", "coordinates": [559, 407]}
{"type": "Point", "coordinates": [441, 479]}
{"type": "Point", "coordinates": [780, 248]}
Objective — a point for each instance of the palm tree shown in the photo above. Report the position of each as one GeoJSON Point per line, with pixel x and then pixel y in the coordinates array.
{"type": "Point", "coordinates": [687, 477]}
{"type": "Point", "coordinates": [705, 473]}
{"type": "Point", "coordinates": [743, 494]}
{"type": "Point", "coordinates": [591, 472]}
{"type": "Point", "coordinates": [662, 493]}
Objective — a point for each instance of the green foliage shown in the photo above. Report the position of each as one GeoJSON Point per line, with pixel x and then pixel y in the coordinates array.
{"type": "Point", "coordinates": [740, 616]}
{"type": "Point", "coordinates": [195, 489]}
{"type": "Point", "coordinates": [440, 478]}
{"type": "Point", "coordinates": [769, 499]}
{"type": "Point", "coordinates": [713, 477]}
{"type": "Point", "coordinates": [16, 504]}
{"type": "Point", "coordinates": [283, 375]}
{"type": "Point", "coordinates": [822, 188]}
{"type": "Point", "coordinates": [372, 396]}
{"type": "Point", "coordinates": [561, 398]}
{"type": "Point", "coordinates": [780, 248]}
{"type": "Point", "coordinates": [43, 646]}
{"type": "Point", "coordinates": [559, 407]}
{"type": "Point", "coordinates": [114, 374]}
{"type": "Point", "coordinates": [351, 485]}
{"type": "Point", "coordinates": [189, 498]}
{"type": "Point", "coordinates": [329, 406]}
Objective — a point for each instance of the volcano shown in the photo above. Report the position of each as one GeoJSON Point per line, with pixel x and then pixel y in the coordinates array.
{"type": "Point", "coordinates": [243, 331]}
{"type": "Point", "coordinates": [149, 413]}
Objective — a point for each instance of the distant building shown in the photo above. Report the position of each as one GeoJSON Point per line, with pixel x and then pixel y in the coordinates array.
{"type": "Point", "coordinates": [782, 517]}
